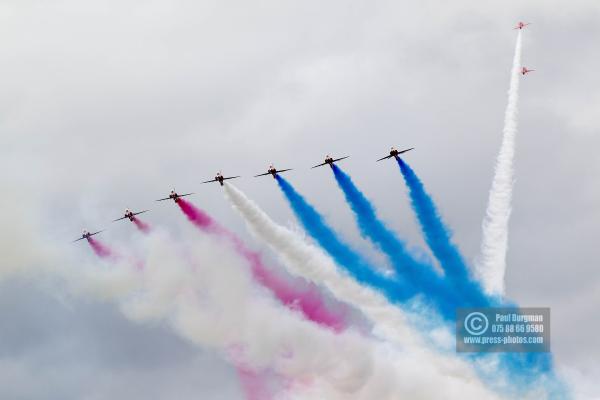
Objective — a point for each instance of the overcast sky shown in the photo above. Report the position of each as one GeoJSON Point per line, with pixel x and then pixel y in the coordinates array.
{"type": "Point", "coordinates": [107, 105]}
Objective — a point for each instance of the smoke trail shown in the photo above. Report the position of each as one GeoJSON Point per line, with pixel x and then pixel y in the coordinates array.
{"type": "Point", "coordinates": [319, 230]}
{"type": "Point", "coordinates": [439, 240]}
{"type": "Point", "coordinates": [141, 225]}
{"type": "Point", "coordinates": [213, 305]}
{"type": "Point", "coordinates": [253, 384]}
{"type": "Point", "coordinates": [101, 250]}
{"type": "Point", "coordinates": [195, 215]}
{"type": "Point", "coordinates": [523, 367]}
{"type": "Point", "coordinates": [307, 300]}
{"type": "Point", "coordinates": [216, 306]}
{"type": "Point", "coordinates": [421, 277]}
{"type": "Point", "coordinates": [105, 252]}
{"type": "Point", "coordinates": [491, 265]}
{"type": "Point", "coordinates": [308, 261]}
{"type": "Point", "coordinates": [395, 289]}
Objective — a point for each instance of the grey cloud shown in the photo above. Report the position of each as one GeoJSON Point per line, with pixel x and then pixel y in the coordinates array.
{"type": "Point", "coordinates": [108, 105]}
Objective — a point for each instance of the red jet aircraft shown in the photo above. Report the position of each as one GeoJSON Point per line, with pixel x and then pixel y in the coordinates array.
{"type": "Point", "coordinates": [395, 153]}
{"type": "Point", "coordinates": [220, 178]}
{"type": "Point", "coordinates": [522, 25]}
{"type": "Point", "coordinates": [330, 160]}
{"type": "Point", "coordinates": [273, 171]}
{"type": "Point", "coordinates": [129, 214]}
{"type": "Point", "coordinates": [524, 70]}
{"type": "Point", "coordinates": [86, 235]}
{"type": "Point", "coordinates": [174, 196]}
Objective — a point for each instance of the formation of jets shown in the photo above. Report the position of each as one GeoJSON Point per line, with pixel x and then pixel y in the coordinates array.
{"type": "Point", "coordinates": [521, 25]}
{"type": "Point", "coordinates": [329, 160]}
{"type": "Point", "coordinates": [173, 195]}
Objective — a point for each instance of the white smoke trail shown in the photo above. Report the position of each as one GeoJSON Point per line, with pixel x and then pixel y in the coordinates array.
{"type": "Point", "coordinates": [217, 306]}
{"type": "Point", "coordinates": [208, 296]}
{"type": "Point", "coordinates": [305, 260]}
{"type": "Point", "coordinates": [491, 264]}
{"type": "Point", "coordinates": [311, 263]}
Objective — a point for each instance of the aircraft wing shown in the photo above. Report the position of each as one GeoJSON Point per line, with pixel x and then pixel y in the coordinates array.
{"type": "Point", "coordinates": [404, 151]}
{"type": "Point", "coordinates": [77, 240]}
{"type": "Point", "coordinates": [212, 180]}
{"type": "Point", "coordinates": [283, 170]}
{"type": "Point", "coordinates": [179, 195]}
{"type": "Point", "coordinates": [119, 219]}
{"type": "Point", "coordinates": [231, 177]}
{"type": "Point", "coordinates": [95, 233]}
{"type": "Point", "coordinates": [320, 165]}
{"type": "Point", "coordinates": [385, 158]}
{"type": "Point", "coordinates": [266, 173]}
{"type": "Point", "coordinates": [340, 159]}
{"type": "Point", "coordinates": [139, 212]}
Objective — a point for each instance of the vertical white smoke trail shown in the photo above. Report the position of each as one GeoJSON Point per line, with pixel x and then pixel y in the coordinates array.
{"type": "Point", "coordinates": [491, 265]}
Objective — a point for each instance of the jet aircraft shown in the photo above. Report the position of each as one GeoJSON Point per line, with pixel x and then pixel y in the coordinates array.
{"type": "Point", "coordinates": [174, 196]}
{"type": "Point", "coordinates": [395, 153]}
{"type": "Point", "coordinates": [129, 214]}
{"type": "Point", "coordinates": [330, 160]}
{"type": "Point", "coordinates": [86, 235]}
{"type": "Point", "coordinates": [220, 178]}
{"type": "Point", "coordinates": [273, 171]}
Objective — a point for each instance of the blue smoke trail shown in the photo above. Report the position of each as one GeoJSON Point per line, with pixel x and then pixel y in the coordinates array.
{"type": "Point", "coordinates": [523, 368]}
{"type": "Point", "coordinates": [421, 277]}
{"type": "Point", "coordinates": [439, 240]}
{"type": "Point", "coordinates": [393, 288]}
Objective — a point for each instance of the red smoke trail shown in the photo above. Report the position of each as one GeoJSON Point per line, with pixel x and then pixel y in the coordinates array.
{"type": "Point", "coordinates": [308, 301]}
{"type": "Point", "coordinates": [253, 384]}
{"type": "Point", "coordinates": [142, 226]}
{"type": "Point", "coordinates": [197, 216]}
{"type": "Point", "coordinates": [100, 249]}
{"type": "Point", "coordinates": [103, 251]}
{"type": "Point", "coordinates": [256, 384]}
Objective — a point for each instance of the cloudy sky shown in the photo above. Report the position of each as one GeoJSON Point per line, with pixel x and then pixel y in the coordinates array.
{"type": "Point", "coordinates": [107, 105]}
